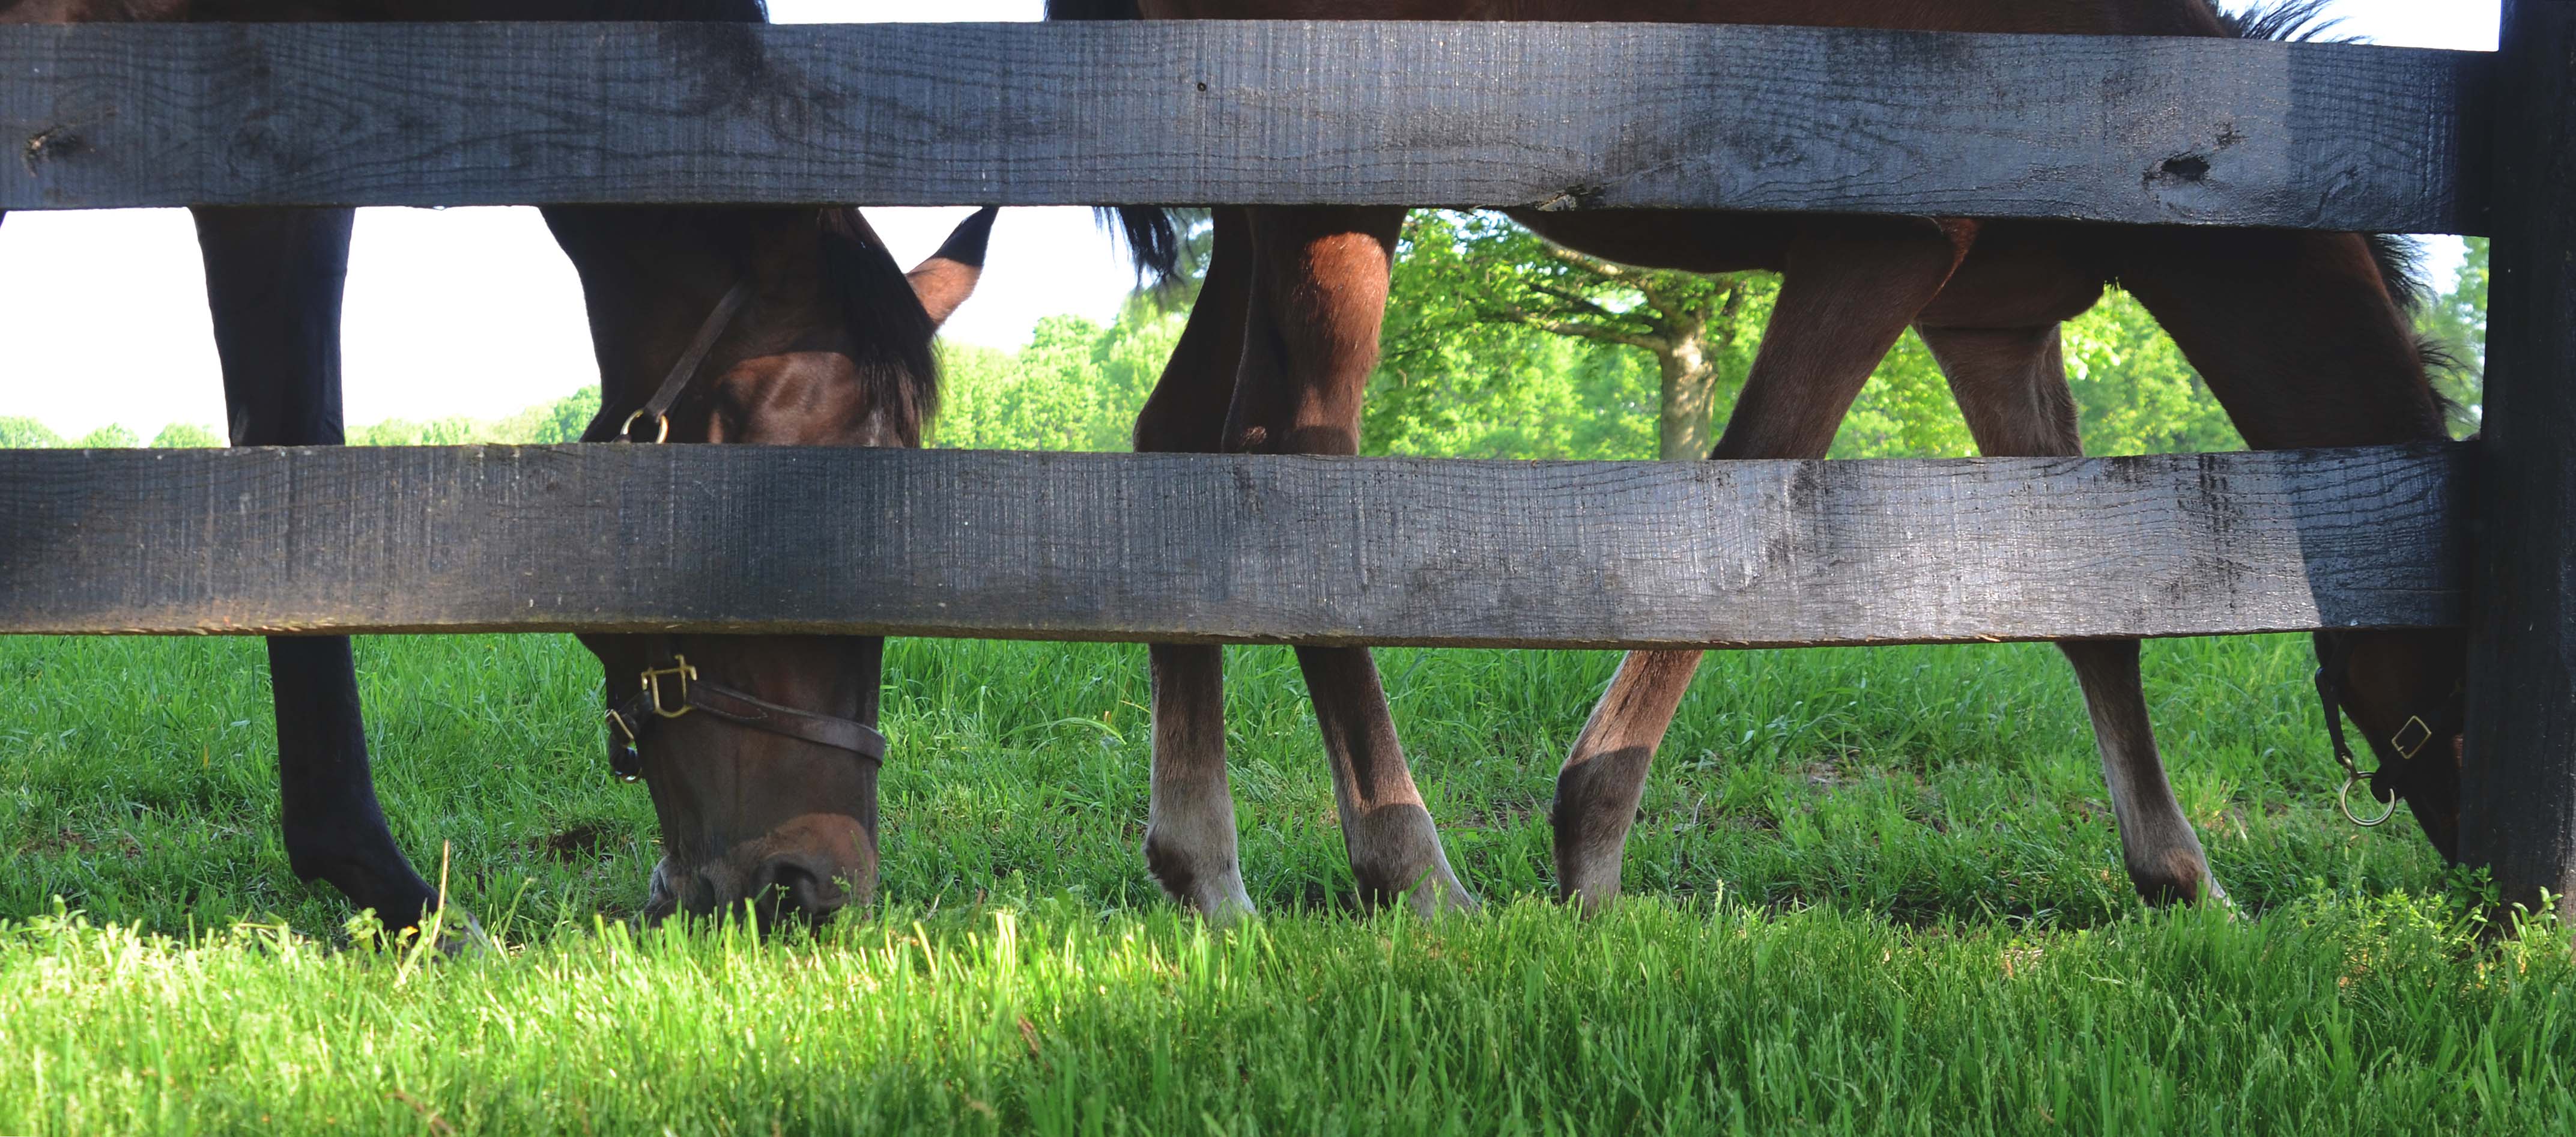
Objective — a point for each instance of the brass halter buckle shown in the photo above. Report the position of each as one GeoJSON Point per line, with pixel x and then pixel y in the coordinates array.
{"type": "Point", "coordinates": [679, 670]}
{"type": "Point", "coordinates": [2416, 728]}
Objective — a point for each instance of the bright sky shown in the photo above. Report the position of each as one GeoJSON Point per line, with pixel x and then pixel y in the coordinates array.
{"type": "Point", "coordinates": [473, 312]}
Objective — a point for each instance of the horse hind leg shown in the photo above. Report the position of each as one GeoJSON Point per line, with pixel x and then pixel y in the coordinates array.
{"type": "Point", "coordinates": [273, 282]}
{"type": "Point", "coordinates": [1318, 298]}
{"type": "Point", "coordinates": [1190, 843]}
{"type": "Point", "coordinates": [1847, 292]}
{"type": "Point", "coordinates": [2011, 387]}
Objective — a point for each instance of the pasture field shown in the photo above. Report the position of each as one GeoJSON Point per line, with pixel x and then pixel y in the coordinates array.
{"type": "Point", "coordinates": [1873, 891]}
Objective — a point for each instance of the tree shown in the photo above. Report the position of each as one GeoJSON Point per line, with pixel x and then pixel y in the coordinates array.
{"type": "Point", "coordinates": [2455, 320]}
{"type": "Point", "coordinates": [1460, 270]}
{"type": "Point", "coordinates": [2134, 392]}
{"type": "Point", "coordinates": [1077, 386]}
{"type": "Point", "coordinates": [184, 435]}
{"type": "Point", "coordinates": [1904, 411]}
{"type": "Point", "coordinates": [110, 437]}
{"type": "Point", "coordinates": [21, 433]}
{"type": "Point", "coordinates": [562, 420]}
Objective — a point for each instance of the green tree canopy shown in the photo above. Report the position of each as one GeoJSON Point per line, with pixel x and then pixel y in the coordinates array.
{"type": "Point", "coordinates": [110, 437]}
{"type": "Point", "coordinates": [22, 433]}
{"type": "Point", "coordinates": [1462, 274]}
{"type": "Point", "coordinates": [1077, 386]}
{"type": "Point", "coordinates": [183, 435]}
{"type": "Point", "coordinates": [2455, 320]}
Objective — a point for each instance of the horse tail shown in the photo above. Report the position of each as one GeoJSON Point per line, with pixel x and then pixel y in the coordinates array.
{"type": "Point", "coordinates": [1093, 10]}
{"type": "Point", "coordinates": [1153, 237]}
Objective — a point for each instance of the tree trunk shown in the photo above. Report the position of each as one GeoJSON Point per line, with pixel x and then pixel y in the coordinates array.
{"type": "Point", "coordinates": [1689, 397]}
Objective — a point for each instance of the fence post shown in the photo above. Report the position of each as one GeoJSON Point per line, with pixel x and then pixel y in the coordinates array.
{"type": "Point", "coordinates": [2518, 807]}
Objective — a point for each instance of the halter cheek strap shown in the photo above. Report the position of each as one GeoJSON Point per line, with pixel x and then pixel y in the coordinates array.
{"type": "Point", "coordinates": [684, 372]}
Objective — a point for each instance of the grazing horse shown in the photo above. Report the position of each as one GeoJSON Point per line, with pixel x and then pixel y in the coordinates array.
{"type": "Point", "coordinates": [778, 326]}
{"type": "Point", "coordinates": [2304, 337]}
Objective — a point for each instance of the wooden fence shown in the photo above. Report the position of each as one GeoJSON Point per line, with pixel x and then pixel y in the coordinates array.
{"type": "Point", "coordinates": [2214, 132]}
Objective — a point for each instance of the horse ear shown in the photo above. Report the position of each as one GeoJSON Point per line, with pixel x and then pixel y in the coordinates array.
{"type": "Point", "coordinates": [945, 280]}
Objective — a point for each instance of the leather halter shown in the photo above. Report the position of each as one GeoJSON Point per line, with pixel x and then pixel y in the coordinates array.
{"type": "Point", "coordinates": [686, 693]}
{"type": "Point", "coordinates": [2409, 741]}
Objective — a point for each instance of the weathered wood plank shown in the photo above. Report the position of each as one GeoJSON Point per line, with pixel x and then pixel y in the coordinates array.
{"type": "Point", "coordinates": [1561, 115]}
{"type": "Point", "coordinates": [1238, 549]}
{"type": "Point", "coordinates": [2518, 770]}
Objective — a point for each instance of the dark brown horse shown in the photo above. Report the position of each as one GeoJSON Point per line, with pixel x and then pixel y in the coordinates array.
{"type": "Point", "coordinates": [2303, 336]}
{"type": "Point", "coordinates": [780, 326]}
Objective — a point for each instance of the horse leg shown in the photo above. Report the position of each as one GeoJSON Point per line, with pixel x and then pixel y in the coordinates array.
{"type": "Point", "coordinates": [273, 281]}
{"type": "Point", "coordinates": [1189, 826]}
{"type": "Point", "coordinates": [2011, 388]}
{"type": "Point", "coordinates": [1847, 291]}
{"type": "Point", "coordinates": [1319, 285]}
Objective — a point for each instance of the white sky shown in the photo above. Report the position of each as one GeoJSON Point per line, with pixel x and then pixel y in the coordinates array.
{"type": "Point", "coordinates": [473, 312]}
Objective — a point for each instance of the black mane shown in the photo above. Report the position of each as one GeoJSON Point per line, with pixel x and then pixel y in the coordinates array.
{"type": "Point", "coordinates": [890, 332]}
{"type": "Point", "coordinates": [2285, 21]}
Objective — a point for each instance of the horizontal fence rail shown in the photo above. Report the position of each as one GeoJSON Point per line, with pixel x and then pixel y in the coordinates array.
{"type": "Point", "coordinates": [2216, 132]}
{"type": "Point", "coordinates": [1228, 549]}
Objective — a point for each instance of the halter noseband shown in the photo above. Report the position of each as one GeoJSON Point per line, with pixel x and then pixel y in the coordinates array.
{"type": "Point", "coordinates": [2410, 739]}
{"type": "Point", "coordinates": [686, 693]}
{"type": "Point", "coordinates": [677, 691]}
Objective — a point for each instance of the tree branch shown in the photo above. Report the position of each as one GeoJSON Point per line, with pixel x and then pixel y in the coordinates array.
{"type": "Point", "coordinates": [1590, 307]}
{"type": "Point", "coordinates": [1585, 261]}
{"type": "Point", "coordinates": [1581, 330]}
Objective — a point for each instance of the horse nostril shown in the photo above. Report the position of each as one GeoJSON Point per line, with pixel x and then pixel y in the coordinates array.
{"type": "Point", "coordinates": [789, 888]}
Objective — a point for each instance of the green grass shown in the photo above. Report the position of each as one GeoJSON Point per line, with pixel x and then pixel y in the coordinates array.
{"type": "Point", "coordinates": [1872, 891]}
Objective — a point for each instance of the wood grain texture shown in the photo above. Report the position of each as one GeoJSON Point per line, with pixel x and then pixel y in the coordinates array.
{"type": "Point", "coordinates": [2199, 131]}
{"type": "Point", "coordinates": [2518, 774]}
{"type": "Point", "coordinates": [1237, 549]}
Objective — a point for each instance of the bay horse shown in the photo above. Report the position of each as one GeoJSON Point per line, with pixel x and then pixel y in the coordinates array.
{"type": "Point", "coordinates": [2304, 337]}
{"type": "Point", "coordinates": [764, 326]}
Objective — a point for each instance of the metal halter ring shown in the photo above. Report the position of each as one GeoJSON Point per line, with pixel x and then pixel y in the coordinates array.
{"type": "Point", "coordinates": [2343, 798]}
{"type": "Point", "coordinates": [627, 432]}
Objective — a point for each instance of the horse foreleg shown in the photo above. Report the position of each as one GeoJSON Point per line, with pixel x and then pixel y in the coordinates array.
{"type": "Point", "coordinates": [2163, 854]}
{"type": "Point", "coordinates": [1319, 289]}
{"type": "Point", "coordinates": [1604, 778]}
{"type": "Point", "coordinates": [1190, 842]}
{"type": "Point", "coordinates": [273, 281]}
{"type": "Point", "coordinates": [1847, 291]}
{"type": "Point", "coordinates": [2011, 388]}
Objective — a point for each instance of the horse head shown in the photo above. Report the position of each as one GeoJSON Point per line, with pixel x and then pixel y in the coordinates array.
{"type": "Point", "coordinates": [2406, 694]}
{"type": "Point", "coordinates": [769, 327]}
